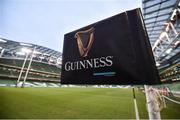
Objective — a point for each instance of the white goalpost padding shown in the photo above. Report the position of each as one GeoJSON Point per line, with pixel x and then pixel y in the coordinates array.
{"type": "Point", "coordinates": [152, 104]}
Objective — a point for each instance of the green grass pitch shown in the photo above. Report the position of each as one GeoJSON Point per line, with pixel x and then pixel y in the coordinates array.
{"type": "Point", "coordinates": [81, 103]}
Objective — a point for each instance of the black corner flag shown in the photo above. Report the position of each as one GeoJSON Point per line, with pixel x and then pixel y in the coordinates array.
{"type": "Point", "coordinates": [114, 51]}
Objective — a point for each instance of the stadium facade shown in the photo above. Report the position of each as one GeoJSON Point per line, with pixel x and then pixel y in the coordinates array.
{"type": "Point", "coordinates": [162, 18]}
{"type": "Point", "coordinates": [15, 59]}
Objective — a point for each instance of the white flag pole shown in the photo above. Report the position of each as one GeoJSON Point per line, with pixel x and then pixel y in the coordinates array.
{"type": "Point", "coordinates": [152, 105]}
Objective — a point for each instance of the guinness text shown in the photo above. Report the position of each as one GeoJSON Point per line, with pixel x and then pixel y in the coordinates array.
{"type": "Point", "coordinates": [91, 63]}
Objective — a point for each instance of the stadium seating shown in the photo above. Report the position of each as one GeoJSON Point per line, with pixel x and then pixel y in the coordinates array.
{"type": "Point", "coordinates": [170, 74]}
{"type": "Point", "coordinates": [7, 82]}
{"type": "Point", "coordinates": [39, 71]}
{"type": "Point", "coordinates": [40, 66]}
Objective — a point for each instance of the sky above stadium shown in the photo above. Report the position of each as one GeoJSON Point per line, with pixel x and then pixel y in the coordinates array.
{"type": "Point", "coordinates": [44, 22]}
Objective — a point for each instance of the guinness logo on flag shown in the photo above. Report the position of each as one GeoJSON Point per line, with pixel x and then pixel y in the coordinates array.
{"type": "Point", "coordinates": [84, 41]}
{"type": "Point", "coordinates": [113, 51]}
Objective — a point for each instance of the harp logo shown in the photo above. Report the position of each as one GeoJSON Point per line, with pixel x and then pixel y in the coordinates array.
{"type": "Point", "coordinates": [85, 40]}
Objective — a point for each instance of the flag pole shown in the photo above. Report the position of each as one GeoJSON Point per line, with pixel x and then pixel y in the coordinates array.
{"type": "Point", "coordinates": [151, 105]}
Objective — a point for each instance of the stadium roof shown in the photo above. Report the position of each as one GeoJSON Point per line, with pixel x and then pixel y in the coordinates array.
{"type": "Point", "coordinates": [15, 47]}
{"type": "Point", "coordinates": [162, 19]}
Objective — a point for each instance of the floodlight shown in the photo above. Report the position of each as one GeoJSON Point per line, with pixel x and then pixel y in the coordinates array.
{"type": "Point", "coordinates": [37, 52]}
{"type": "Point", "coordinates": [163, 55]}
{"type": "Point", "coordinates": [25, 44]}
{"type": "Point", "coordinates": [34, 55]}
{"type": "Point", "coordinates": [41, 57]}
{"type": "Point", "coordinates": [169, 50]}
{"type": "Point", "coordinates": [20, 53]}
{"type": "Point", "coordinates": [1, 40]}
{"type": "Point", "coordinates": [26, 50]}
{"type": "Point", "coordinates": [158, 64]}
{"type": "Point", "coordinates": [51, 60]}
{"type": "Point", "coordinates": [46, 54]}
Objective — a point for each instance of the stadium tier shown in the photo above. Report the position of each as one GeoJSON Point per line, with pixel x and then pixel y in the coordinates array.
{"type": "Point", "coordinates": [44, 67]}
{"type": "Point", "coordinates": [45, 64]}
{"type": "Point", "coordinates": [171, 74]}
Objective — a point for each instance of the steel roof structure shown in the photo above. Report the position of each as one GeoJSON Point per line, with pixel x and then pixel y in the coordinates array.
{"type": "Point", "coordinates": [15, 47]}
{"type": "Point", "coordinates": [162, 20]}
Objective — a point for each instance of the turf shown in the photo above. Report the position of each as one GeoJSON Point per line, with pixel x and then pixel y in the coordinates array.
{"type": "Point", "coordinates": [81, 103]}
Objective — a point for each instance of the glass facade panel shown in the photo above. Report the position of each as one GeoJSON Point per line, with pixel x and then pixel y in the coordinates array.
{"type": "Point", "coordinates": [156, 32]}
{"type": "Point", "coordinates": [158, 22]}
{"type": "Point", "coordinates": [156, 7]}
{"type": "Point", "coordinates": [153, 40]}
{"type": "Point", "coordinates": [168, 10]}
{"type": "Point", "coordinates": [154, 35]}
{"type": "Point", "coordinates": [152, 2]}
{"type": "Point", "coordinates": [149, 21]}
{"type": "Point", "coordinates": [163, 17]}
{"type": "Point", "coordinates": [168, 3]}
{"type": "Point", "coordinates": [160, 6]}
{"type": "Point", "coordinates": [150, 15]}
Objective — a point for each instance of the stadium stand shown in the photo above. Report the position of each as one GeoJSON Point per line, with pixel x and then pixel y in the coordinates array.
{"type": "Point", "coordinates": [44, 66]}
{"type": "Point", "coordinates": [170, 71]}
{"type": "Point", "coordinates": [171, 74]}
